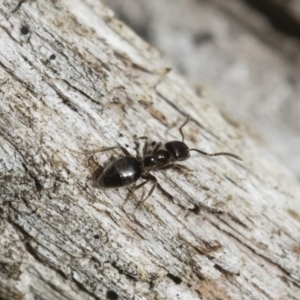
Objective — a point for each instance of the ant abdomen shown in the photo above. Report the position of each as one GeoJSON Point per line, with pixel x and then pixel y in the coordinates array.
{"type": "Point", "coordinates": [122, 172]}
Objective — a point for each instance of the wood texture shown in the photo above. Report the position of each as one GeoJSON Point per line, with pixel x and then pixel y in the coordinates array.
{"type": "Point", "coordinates": [242, 54]}
{"type": "Point", "coordinates": [74, 79]}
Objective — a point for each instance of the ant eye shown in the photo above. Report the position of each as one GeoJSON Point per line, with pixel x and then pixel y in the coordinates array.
{"type": "Point", "coordinates": [153, 143]}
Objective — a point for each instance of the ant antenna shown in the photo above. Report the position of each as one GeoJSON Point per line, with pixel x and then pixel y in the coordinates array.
{"type": "Point", "coordinates": [218, 154]}
{"type": "Point", "coordinates": [180, 128]}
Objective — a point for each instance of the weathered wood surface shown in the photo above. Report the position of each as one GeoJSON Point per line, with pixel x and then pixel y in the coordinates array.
{"type": "Point", "coordinates": [243, 54]}
{"type": "Point", "coordinates": [73, 78]}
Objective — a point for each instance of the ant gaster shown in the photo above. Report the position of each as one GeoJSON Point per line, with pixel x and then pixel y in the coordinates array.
{"type": "Point", "coordinates": [128, 169]}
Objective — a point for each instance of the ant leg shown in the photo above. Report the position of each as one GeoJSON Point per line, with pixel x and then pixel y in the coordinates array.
{"type": "Point", "coordinates": [167, 167]}
{"type": "Point", "coordinates": [124, 150]}
{"type": "Point", "coordinates": [156, 148]}
{"type": "Point", "coordinates": [97, 169]}
{"type": "Point", "coordinates": [141, 138]}
{"type": "Point", "coordinates": [152, 178]}
{"type": "Point", "coordinates": [176, 166]}
{"type": "Point", "coordinates": [145, 148]}
{"type": "Point", "coordinates": [126, 153]}
{"type": "Point", "coordinates": [156, 184]}
{"type": "Point", "coordinates": [96, 151]}
{"type": "Point", "coordinates": [183, 168]}
{"type": "Point", "coordinates": [167, 194]}
{"type": "Point", "coordinates": [149, 194]}
{"type": "Point", "coordinates": [180, 128]}
{"type": "Point", "coordinates": [104, 150]}
{"type": "Point", "coordinates": [132, 192]}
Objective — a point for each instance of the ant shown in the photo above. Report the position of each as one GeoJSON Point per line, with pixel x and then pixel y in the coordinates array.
{"type": "Point", "coordinates": [128, 169]}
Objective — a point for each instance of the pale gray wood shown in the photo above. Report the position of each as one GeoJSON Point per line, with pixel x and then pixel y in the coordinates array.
{"type": "Point", "coordinates": [235, 56]}
{"type": "Point", "coordinates": [80, 80]}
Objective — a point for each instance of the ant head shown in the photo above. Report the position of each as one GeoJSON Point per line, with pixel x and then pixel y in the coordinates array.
{"type": "Point", "coordinates": [178, 150]}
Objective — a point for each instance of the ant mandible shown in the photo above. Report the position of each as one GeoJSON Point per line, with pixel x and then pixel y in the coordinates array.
{"type": "Point", "coordinates": [128, 169]}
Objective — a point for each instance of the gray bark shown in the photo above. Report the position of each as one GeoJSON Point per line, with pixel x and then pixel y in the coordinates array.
{"type": "Point", "coordinates": [242, 54]}
{"type": "Point", "coordinates": [74, 79]}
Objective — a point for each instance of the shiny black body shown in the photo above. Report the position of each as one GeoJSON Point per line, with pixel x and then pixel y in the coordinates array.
{"type": "Point", "coordinates": [128, 169]}
{"type": "Point", "coordinates": [122, 172]}
{"type": "Point", "coordinates": [178, 150]}
{"type": "Point", "coordinates": [174, 151]}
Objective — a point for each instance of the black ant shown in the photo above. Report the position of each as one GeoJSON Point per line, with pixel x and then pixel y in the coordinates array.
{"type": "Point", "coordinates": [128, 169]}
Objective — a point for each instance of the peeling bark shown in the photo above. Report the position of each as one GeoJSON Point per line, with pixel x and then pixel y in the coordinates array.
{"type": "Point", "coordinates": [74, 79]}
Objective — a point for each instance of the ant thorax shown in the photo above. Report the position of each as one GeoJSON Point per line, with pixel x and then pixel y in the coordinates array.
{"type": "Point", "coordinates": [157, 159]}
